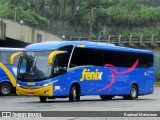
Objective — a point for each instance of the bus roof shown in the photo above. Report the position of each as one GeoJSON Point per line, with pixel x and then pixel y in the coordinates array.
{"type": "Point", "coordinates": [6, 49]}
{"type": "Point", "coordinates": [97, 45]}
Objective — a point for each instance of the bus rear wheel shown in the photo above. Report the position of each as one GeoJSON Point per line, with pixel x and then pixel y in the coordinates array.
{"type": "Point", "coordinates": [42, 98]}
{"type": "Point", "coordinates": [106, 97]}
{"type": "Point", "coordinates": [74, 95]}
{"type": "Point", "coordinates": [133, 93]}
{"type": "Point", "coordinates": [5, 89]}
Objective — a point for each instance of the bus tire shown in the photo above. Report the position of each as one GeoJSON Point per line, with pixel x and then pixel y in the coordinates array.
{"type": "Point", "coordinates": [6, 89]}
{"type": "Point", "coordinates": [133, 92]}
{"type": "Point", "coordinates": [73, 95]}
{"type": "Point", "coordinates": [106, 97]}
{"type": "Point", "coordinates": [42, 98]}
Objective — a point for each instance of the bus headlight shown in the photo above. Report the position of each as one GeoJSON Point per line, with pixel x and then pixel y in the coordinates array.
{"type": "Point", "coordinates": [49, 83]}
{"type": "Point", "coordinates": [18, 85]}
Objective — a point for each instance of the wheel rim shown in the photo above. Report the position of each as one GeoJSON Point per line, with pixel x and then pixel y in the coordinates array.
{"type": "Point", "coordinates": [133, 92]}
{"type": "Point", "coordinates": [5, 89]}
{"type": "Point", "coordinates": [74, 94]}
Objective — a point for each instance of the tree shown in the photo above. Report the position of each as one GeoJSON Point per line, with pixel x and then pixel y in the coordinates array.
{"type": "Point", "coordinates": [14, 10]}
{"type": "Point", "coordinates": [15, 4]}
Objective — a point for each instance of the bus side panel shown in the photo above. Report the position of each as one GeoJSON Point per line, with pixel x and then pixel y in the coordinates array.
{"type": "Point", "coordinates": [89, 78]}
{"type": "Point", "coordinates": [109, 82]}
{"type": "Point", "coordinates": [12, 69]}
{"type": "Point", "coordinates": [121, 82]}
{"type": "Point", "coordinates": [138, 79]}
{"type": "Point", "coordinates": [63, 84]}
{"type": "Point", "coordinates": [78, 75]}
{"type": "Point", "coordinates": [150, 80]}
{"type": "Point", "coordinates": [3, 76]}
{"type": "Point", "coordinates": [145, 80]}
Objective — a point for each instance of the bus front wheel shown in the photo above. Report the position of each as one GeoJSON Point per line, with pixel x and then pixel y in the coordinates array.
{"type": "Point", "coordinates": [73, 95]}
{"type": "Point", "coordinates": [5, 89]}
{"type": "Point", "coordinates": [42, 98]}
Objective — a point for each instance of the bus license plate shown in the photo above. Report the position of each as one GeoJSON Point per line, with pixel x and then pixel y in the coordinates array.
{"type": "Point", "coordinates": [30, 93]}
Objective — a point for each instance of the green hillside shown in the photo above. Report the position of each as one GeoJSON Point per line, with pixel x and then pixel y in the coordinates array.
{"type": "Point", "coordinates": [86, 16]}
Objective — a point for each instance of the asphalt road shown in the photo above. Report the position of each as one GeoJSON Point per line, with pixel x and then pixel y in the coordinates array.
{"type": "Point", "coordinates": [87, 103]}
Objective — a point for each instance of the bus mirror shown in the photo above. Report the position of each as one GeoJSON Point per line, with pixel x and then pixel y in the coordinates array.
{"type": "Point", "coordinates": [13, 57]}
{"type": "Point", "coordinates": [52, 55]}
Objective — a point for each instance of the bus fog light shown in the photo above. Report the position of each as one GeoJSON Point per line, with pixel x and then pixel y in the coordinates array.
{"type": "Point", "coordinates": [46, 91]}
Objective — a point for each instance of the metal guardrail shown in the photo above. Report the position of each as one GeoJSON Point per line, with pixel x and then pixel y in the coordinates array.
{"type": "Point", "coordinates": [127, 40]}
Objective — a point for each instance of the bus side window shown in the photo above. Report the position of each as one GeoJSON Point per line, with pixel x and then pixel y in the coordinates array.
{"type": "Point", "coordinates": [66, 56]}
{"type": "Point", "coordinates": [60, 64]}
{"type": "Point", "coordinates": [95, 57]}
{"type": "Point", "coordinates": [109, 57]}
{"type": "Point", "coordinates": [5, 57]}
{"type": "Point", "coordinates": [145, 60]}
{"type": "Point", "coordinates": [79, 57]}
{"type": "Point", "coordinates": [150, 61]}
{"type": "Point", "coordinates": [129, 58]}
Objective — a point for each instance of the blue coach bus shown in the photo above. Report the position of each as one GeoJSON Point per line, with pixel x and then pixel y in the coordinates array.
{"type": "Point", "coordinates": [78, 68]}
{"type": "Point", "coordinates": [8, 72]}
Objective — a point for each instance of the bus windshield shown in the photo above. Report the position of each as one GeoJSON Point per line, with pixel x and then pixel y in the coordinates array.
{"type": "Point", "coordinates": [33, 66]}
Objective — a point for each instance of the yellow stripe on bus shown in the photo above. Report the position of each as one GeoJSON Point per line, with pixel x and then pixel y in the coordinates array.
{"type": "Point", "coordinates": [9, 74]}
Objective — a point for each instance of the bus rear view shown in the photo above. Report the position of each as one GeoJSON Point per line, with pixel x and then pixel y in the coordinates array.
{"type": "Point", "coordinates": [78, 68]}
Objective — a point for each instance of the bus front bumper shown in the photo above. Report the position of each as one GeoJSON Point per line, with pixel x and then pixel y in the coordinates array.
{"type": "Point", "coordinates": [42, 91]}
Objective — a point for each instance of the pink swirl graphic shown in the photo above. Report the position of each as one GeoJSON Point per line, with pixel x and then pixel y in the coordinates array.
{"type": "Point", "coordinates": [113, 71]}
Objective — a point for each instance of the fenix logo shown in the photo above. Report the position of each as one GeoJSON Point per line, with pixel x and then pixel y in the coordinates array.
{"type": "Point", "coordinates": [91, 75]}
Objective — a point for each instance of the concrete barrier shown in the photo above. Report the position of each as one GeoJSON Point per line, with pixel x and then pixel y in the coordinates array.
{"type": "Point", "coordinates": [23, 33]}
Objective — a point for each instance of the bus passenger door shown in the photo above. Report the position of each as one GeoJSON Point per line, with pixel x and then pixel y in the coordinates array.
{"type": "Point", "coordinates": [59, 73]}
